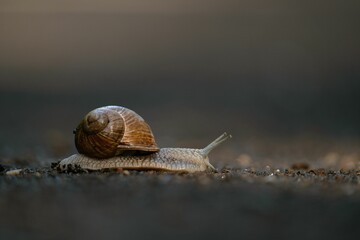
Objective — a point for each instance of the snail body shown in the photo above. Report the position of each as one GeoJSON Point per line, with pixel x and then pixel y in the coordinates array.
{"type": "Point", "coordinates": [131, 145]}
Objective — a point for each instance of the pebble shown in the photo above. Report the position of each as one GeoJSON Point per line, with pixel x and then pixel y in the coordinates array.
{"type": "Point", "coordinates": [349, 162]}
{"type": "Point", "coordinates": [331, 159]}
{"type": "Point", "coordinates": [14, 172]}
{"type": "Point", "coordinates": [300, 166]}
{"type": "Point", "coordinates": [270, 178]}
{"type": "Point", "coordinates": [122, 171]}
{"type": "Point", "coordinates": [244, 160]}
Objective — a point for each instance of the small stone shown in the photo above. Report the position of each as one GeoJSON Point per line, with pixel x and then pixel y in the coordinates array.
{"type": "Point", "coordinates": [300, 166]}
{"type": "Point", "coordinates": [122, 171]}
{"type": "Point", "coordinates": [318, 172]}
{"type": "Point", "coordinates": [244, 160]}
{"type": "Point", "coordinates": [270, 178]}
{"type": "Point", "coordinates": [349, 162]}
{"type": "Point", "coordinates": [331, 159]}
{"type": "Point", "coordinates": [14, 172]}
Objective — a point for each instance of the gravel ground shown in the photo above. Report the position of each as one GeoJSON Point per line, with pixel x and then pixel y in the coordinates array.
{"type": "Point", "coordinates": [298, 202]}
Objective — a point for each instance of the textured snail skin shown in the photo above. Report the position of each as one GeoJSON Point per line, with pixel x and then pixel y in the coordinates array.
{"type": "Point", "coordinates": [168, 159]}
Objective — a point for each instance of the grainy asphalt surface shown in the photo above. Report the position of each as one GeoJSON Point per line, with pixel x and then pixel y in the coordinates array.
{"type": "Point", "coordinates": [243, 203]}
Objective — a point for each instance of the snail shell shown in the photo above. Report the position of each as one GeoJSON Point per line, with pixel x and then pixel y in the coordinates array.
{"type": "Point", "coordinates": [117, 137]}
{"type": "Point", "coordinates": [111, 131]}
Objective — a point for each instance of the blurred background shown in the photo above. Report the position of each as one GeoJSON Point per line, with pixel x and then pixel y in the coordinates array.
{"type": "Point", "coordinates": [281, 76]}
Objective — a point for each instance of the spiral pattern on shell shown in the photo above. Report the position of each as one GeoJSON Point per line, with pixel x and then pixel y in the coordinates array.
{"type": "Point", "coordinates": [111, 131]}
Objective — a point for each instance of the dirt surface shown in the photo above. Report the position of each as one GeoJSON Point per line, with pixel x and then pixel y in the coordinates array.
{"type": "Point", "coordinates": [244, 203]}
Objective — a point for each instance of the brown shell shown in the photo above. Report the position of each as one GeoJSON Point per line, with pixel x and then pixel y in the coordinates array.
{"type": "Point", "coordinates": [110, 131]}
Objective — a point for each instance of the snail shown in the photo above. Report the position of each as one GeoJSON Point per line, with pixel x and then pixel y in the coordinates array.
{"type": "Point", "coordinates": [117, 137]}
